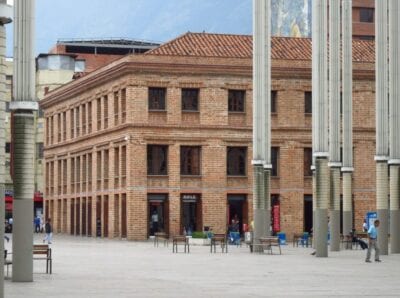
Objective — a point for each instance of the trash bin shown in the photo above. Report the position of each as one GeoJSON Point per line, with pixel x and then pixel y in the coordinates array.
{"type": "Point", "coordinates": [282, 238]}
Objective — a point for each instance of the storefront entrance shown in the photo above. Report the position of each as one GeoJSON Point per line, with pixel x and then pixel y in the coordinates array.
{"type": "Point", "coordinates": [191, 218]}
{"type": "Point", "coordinates": [308, 213]}
{"type": "Point", "coordinates": [237, 210]}
{"type": "Point", "coordinates": [157, 213]}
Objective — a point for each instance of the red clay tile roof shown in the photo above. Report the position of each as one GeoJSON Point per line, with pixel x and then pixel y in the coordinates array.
{"type": "Point", "coordinates": [241, 46]}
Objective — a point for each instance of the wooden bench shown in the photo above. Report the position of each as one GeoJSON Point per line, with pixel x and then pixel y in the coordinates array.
{"type": "Point", "coordinates": [43, 252]}
{"type": "Point", "coordinates": [267, 243]}
{"type": "Point", "coordinates": [40, 252]}
{"type": "Point", "coordinates": [218, 239]}
{"type": "Point", "coordinates": [160, 236]}
{"type": "Point", "coordinates": [180, 239]}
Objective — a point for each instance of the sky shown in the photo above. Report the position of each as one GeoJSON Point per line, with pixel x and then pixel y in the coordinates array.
{"type": "Point", "coordinates": [153, 20]}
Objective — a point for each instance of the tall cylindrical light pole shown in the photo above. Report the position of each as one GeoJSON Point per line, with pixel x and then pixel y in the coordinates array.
{"type": "Point", "coordinates": [320, 123]}
{"type": "Point", "coordinates": [382, 123]}
{"type": "Point", "coordinates": [5, 18]}
{"type": "Point", "coordinates": [23, 107]}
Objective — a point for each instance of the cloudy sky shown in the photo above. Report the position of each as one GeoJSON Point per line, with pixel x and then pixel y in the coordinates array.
{"type": "Point", "coordinates": [155, 20]}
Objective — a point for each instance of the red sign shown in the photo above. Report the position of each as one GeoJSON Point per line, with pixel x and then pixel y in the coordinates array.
{"type": "Point", "coordinates": [276, 218]}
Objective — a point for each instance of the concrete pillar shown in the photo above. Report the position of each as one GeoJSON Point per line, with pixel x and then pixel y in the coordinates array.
{"type": "Point", "coordinates": [320, 123]}
{"type": "Point", "coordinates": [347, 104]}
{"type": "Point", "coordinates": [334, 123]}
{"type": "Point", "coordinates": [5, 18]}
{"type": "Point", "coordinates": [394, 127]}
{"type": "Point", "coordinates": [23, 136]}
{"type": "Point", "coordinates": [261, 115]}
{"type": "Point", "coordinates": [382, 123]}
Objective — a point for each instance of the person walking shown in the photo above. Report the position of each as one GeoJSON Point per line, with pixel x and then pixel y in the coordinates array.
{"type": "Point", "coordinates": [37, 224]}
{"type": "Point", "coordinates": [373, 242]}
{"type": "Point", "coordinates": [48, 231]}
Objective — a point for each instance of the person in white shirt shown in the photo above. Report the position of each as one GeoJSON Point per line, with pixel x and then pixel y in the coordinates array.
{"type": "Point", "coordinates": [365, 226]}
{"type": "Point", "coordinates": [154, 221]}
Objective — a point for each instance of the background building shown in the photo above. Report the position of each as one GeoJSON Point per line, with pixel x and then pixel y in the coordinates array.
{"type": "Point", "coordinates": [66, 61]}
{"type": "Point", "coordinates": [170, 133]}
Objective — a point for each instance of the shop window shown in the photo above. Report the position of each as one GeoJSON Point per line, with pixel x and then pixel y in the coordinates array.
{"type": "Point", "coordinates": [190, 160]}
{"type": "Point", "coordinates": [157, 160]}
{"type": "Point", "coordinates": [236, 100]}
{"type": "Point", "coordinates": [236, 161]}
{"type": "Point", "coordinates": [275, 161]}
{"type": "Point", "coordinates": [157, 99]}
{"type": "Point", "coordinates": [307, 162]}
{"type": "Point", "coordinates": [190, 99]}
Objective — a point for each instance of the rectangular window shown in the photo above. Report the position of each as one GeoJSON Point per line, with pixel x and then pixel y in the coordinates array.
{"type": "Point", "coordinates": [274, 98]}
{"type": "Point", "coordinates": [72, 175]}
{"type": "Point", "coordinates": [116, 108]}
{"type": "Point", "coordinates": [52, 177]}
{"type": "Point", "coordinates": [236, 161]}
{"type": "Point", "coordinates": [59, 176]}
{"type": "Point", "coordinates": [157, 160]}
{"type": "Point", "coordinates": [275, 161]}
{"type": "Point", "coordinates": [47, 130]}
{"type": "Point", "coordinates": [8, 147]}
{"type": "Point", "coordinates": [90, 172]}
{"type": "Point", "coordinates": [78, 174]}
{"type": "Point", "coordinates": [72, 117]}
{"type": "Point", "coordinates": [98, 113]}
{"type": "Point", "coordinates": [157, 99]}
{"type": "Point", "coordinates": [84, 173]}
{"type": "Point", "coordinates": [366, 15]}
{"type": "Point", "coordinates": [307, 162]}
{"type": "Point", "coordinates": [64, 128]}
{"type": "Point", "coordinates": [52, 130]}
{"type": "Point", "coordinates": [65, 175]}
{"type": "Point", "coordinates": [236, 100]}
{"type": "Point", "coordinates": [89, 112]}
{"type": "Point", "coordinates": [308, 102]}
{"type": "Point", "coordinates": [116, 167]}
{"type": "Point", "coordinates": [47, 179]}
{"type": "Point", "coordinates": [83, 107]}
{"type": "Point", "coordinates": [190, 99]}
{"type": "Point", "coordinates": [98, 169]}
{"type": "Point", "coordinates": [123, 166]}
{"type": "Point", "coordinates": [77, 121]}
{"type": "Point", "coordinates": [59, 130]}
{"type": "Point", "coordinates": [106, 168]}
{"type": "Point", "coordinates": [105, 106]}
{"type": "Point", "coordinates": [39, 150]}
{"type": "Point", "coordinates": [190, 160]}
{"type": "Point", "coordinates": [123, 105]}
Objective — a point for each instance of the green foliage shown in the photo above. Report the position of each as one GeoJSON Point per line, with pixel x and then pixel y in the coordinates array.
{"type": "Point", "coordinates": [199, 235]}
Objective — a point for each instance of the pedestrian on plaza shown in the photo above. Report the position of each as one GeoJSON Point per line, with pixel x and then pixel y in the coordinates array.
{"type": "Point", "coordinates": [373, 242]}
{"type": "Point", "coordinates": [365, 226]}
{"type": "Point", "coordinates": [41, 224]}
{"type": "Point", "coordinates": [37, 224]}
{"type": "Point", "coordinates": [49, 232]}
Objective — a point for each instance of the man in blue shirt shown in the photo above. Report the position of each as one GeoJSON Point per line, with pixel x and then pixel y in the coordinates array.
{"type": "Point", "coordinates": [373, 242]}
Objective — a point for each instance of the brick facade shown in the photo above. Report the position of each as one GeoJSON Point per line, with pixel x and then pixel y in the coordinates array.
{"type": "Point", "coordinates": [114, 149]}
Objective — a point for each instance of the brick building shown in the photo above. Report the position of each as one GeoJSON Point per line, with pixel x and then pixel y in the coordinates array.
{"type": "Point", "coordinates": [364, 19]}
{"type": "Point", "coordinates": [163, 141]}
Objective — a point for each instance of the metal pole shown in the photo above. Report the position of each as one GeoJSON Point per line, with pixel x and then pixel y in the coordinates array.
{"type": "Point", "coordinates": [23, 106]}
{"type": "Point", "coordinates": [334, 123]}
{"type": "Point", "coordinates": [5, 18]}
{"type": "Point", "coordinates": [347, 86]}
{"type": "Point", "coordinates": [382, 123]}
{"type": "Point", "coordinates": [394, 122]}
{"type": "Point", "coordinates": [320, 123]}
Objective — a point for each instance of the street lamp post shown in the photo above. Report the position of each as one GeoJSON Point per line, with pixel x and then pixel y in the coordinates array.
{"type": "Point", "coordinates": [23, 107]}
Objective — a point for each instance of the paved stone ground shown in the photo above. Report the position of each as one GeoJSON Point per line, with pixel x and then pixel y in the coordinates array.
{"type": "Point", "coordinates": [86, 267]}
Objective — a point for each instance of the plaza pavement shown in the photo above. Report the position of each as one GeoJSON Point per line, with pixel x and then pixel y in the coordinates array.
{"type": "Point", "coordinates": [87, 267]}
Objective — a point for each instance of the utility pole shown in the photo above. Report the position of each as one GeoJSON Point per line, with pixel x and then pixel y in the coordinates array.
{"type": "Point", "coordinates": [261, 116]}
{"type": "Point", "coordinates": [334, 123]}
{"type": "Point", "coordinates": [347, 86]}
{"type": "Point", "coordinates": [394, 123]}
{"type": "Point", "coordinates": [382, 123]}
{"type": "Point", "coordinates": [23, 107]}
{"type": "Point", "coordinates": [5, 18]}
{"type": "Point", "coordinates": [320, 123]}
